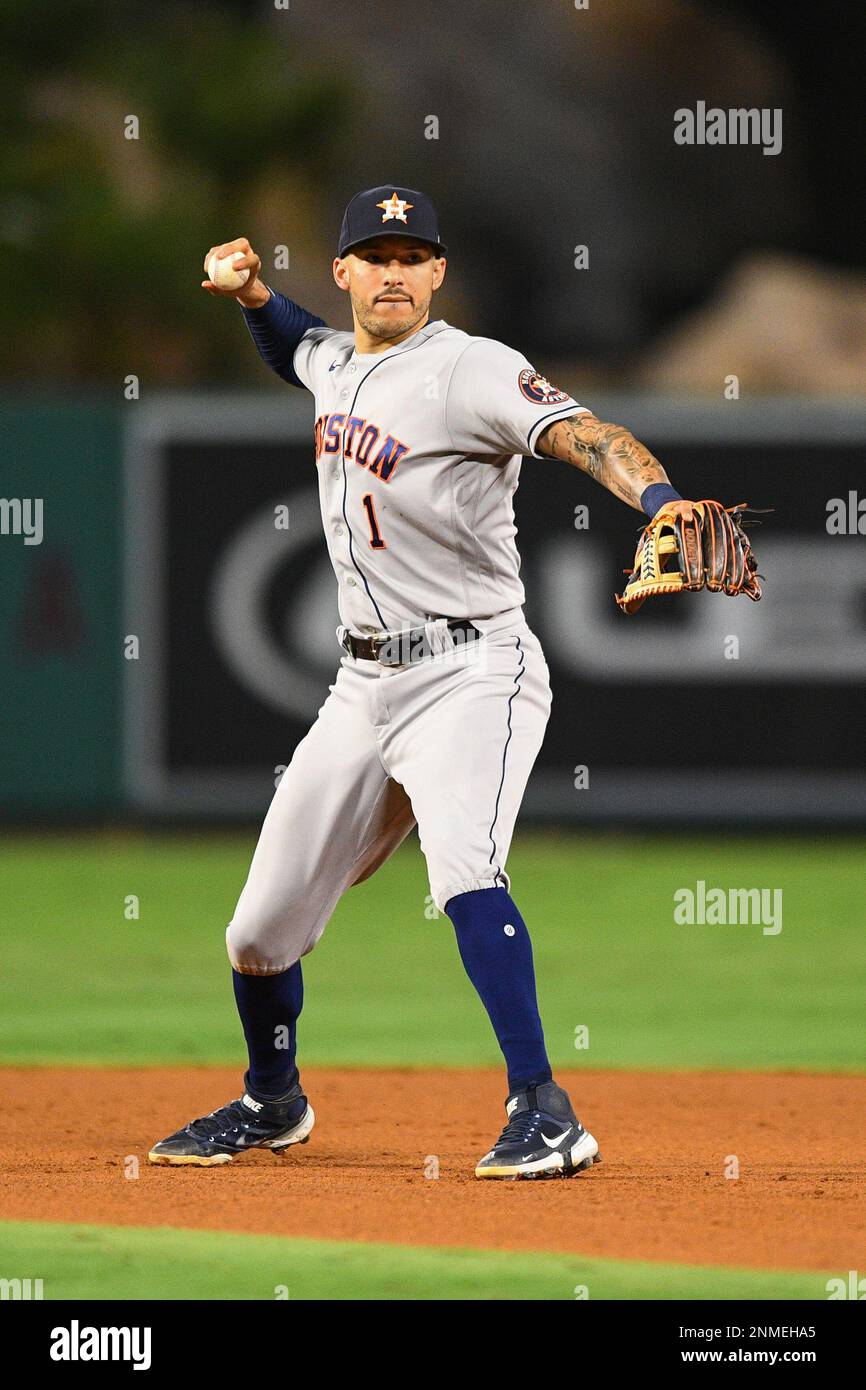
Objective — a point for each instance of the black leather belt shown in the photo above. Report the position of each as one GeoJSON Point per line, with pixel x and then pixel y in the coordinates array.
{"type": "Point", "coordinates": [401, 648]}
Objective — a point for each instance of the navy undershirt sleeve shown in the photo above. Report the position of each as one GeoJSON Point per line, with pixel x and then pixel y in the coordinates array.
{"type": "Point", "coordinates": [276, 329]}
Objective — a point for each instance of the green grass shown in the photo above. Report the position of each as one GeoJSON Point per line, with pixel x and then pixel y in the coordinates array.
{"type": "Point", "coordinates": [385, 985]}
{"type": "Point", "coordinates": [107, 1262]}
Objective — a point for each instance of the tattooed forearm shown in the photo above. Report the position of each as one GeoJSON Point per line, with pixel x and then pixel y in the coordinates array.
{"type": "Point", "coordinates": [608, 453]}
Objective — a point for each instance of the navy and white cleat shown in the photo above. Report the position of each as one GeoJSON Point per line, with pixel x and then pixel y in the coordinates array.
{"type": "Point", "coordinates": [542, 1139]}
{"type": "Point", "coordinates": [241, 1125]}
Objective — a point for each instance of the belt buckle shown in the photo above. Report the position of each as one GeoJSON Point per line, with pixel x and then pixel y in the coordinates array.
{"type": "Point", "coordinates": [383, 642]}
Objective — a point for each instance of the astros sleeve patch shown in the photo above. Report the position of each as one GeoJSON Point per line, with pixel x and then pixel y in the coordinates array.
{"type": "Point", "coordinates": [497, 402]}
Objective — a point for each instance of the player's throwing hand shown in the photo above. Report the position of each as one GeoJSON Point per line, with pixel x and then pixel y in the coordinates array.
{"type": "Point", "coordinates": [252, 293]}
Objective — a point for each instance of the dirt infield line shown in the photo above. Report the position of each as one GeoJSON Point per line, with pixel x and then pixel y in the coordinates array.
{"type": "Point", "coordinates": [75, 1139]}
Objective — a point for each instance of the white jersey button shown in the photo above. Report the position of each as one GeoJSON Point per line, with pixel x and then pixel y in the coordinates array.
{"type": "Point", "coordinates": [343, 395]}
{"type": "Point", "coordinates": [351, 583]}
{"type": "Point", "coordinates": [338, 530]}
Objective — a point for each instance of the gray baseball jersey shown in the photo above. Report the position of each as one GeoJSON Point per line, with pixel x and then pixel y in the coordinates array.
{"type": "Point", "coordinates": [418, 451]}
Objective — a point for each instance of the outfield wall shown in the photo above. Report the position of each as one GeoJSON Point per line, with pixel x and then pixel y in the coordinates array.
{"type": "Point", "coordinates": [61, 611]}
{"type": "Point", "coordinates": [698, 710]}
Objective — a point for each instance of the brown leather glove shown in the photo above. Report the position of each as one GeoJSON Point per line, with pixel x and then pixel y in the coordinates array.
{"type": "Point", "coordinates": [708, 551]}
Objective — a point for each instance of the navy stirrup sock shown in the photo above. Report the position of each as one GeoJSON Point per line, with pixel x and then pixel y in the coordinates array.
{"type": "Point", "coordinates": [496, 952]}
{"type": "Point", "coordinates": [269, 1006]}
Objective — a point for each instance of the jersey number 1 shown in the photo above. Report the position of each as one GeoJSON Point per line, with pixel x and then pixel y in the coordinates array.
{"type": "Point", "coordinates": [375, 534]}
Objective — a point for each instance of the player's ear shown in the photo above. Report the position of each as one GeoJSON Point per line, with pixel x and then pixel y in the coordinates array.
{"type": "Point", "coordinates": [439, 271]}
{"type": "Point", "coordinates": [341, 274]}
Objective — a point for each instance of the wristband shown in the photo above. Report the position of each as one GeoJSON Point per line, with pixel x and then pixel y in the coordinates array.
{"type": "Point", "coordinates": [656, 496]}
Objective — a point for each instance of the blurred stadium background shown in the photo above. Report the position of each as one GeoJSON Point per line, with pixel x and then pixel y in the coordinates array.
{"type": "Point", "coordinates": [721, 316]}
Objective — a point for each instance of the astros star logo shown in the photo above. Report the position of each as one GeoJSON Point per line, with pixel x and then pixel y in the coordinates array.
{"type": "Point", "coordinates": [394, 207]}
{"type": "Point", "coordinates": [543, 387]}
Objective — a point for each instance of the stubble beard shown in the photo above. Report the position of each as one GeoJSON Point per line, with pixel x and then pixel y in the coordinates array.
{"type": "Point", "coordinates": [385, 325]}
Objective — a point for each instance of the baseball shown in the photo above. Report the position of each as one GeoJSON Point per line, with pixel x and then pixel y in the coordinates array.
{"type": "Point", "coordinates": [221, 271]}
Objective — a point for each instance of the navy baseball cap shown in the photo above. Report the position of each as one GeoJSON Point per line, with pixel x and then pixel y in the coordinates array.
{"type": "Point", "coordinates": [389, 211]}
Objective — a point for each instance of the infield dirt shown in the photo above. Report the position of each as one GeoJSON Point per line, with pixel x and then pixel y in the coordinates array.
{"type": "Point", "coordinates": [74, 1138]}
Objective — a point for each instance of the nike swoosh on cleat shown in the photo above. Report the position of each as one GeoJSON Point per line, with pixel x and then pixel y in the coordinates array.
{"type": "Point", "coordinates": [554, 1143]}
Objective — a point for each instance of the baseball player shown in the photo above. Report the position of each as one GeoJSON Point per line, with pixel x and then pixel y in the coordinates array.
{"type": "Point", "coordinates": [442, 696]}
